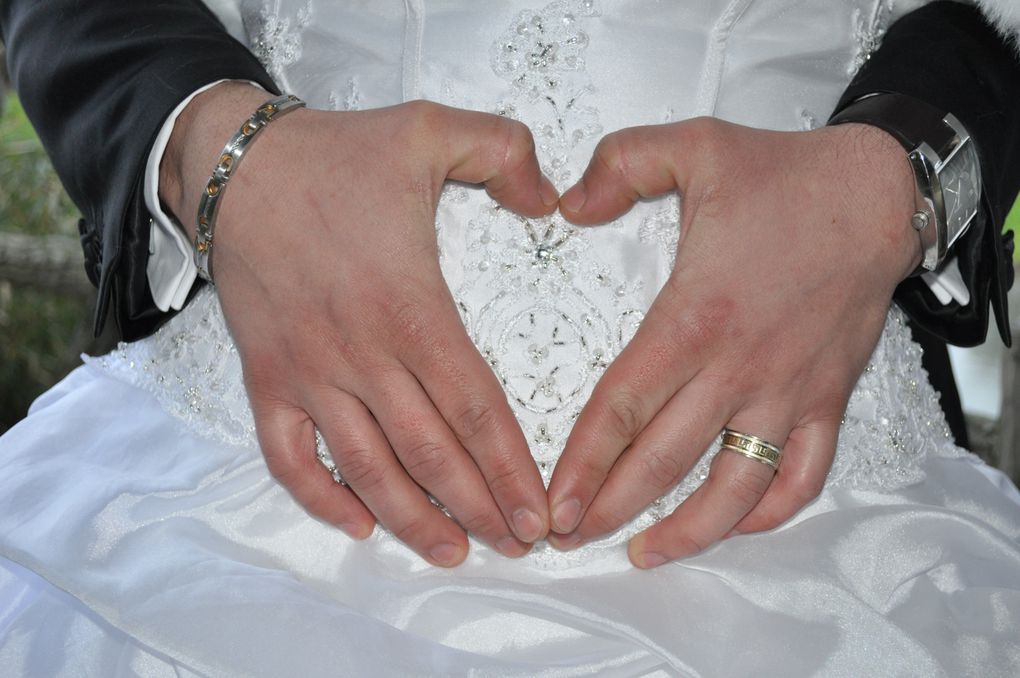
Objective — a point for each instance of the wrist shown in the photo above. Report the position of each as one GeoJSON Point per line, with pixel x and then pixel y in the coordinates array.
{"type": "Point", "coordinates": [195, 144]}
{"type": "Point", "coordinates": [943, 160]}
{"type": "Point", "coordinates": [881, 192]}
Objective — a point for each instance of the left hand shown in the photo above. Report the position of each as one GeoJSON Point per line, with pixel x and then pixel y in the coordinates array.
{"type": "Point", "coordinates": [791, 246]}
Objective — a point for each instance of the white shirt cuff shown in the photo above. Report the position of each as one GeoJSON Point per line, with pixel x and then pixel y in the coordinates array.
{"type": "Point", "coordinates": [947, 284]}
{"type": "Point", "coordinates": [171, 267]}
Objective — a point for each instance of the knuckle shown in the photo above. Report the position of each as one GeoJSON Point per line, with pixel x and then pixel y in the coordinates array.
{"type": "Point", "coordinates": [410, 531]}
{"type": "Point", "coordinates": [611, 151]}
{"type": "Point", "coordinates": [662, 469]}
{"type": "Point", "coordinates": [623, 414]}
{"type": "Point", "coordinates": [592, 468]}
{"type": "Point", "coordinates": [426, 461]}
{"type": "Point", "coordinates": [360, 468]}
{"type": "Point", "coordinates": [704, 133]}
{"type": "Point", "coordinates": [424, 116]}
{"type": "Point", "coordinates": [318, 498]}
{"type": "Point", "coordinates": [518, 145]}
{"type": "Point", "coordinates": [326, 502]}
{"type": "Point", "coordinates": [418, 124]}
{"type": "Point", "coordinates": [288, 474]}
{"type": "Point", "coordinates": [419, 107]}
{"type": "Point", "coordinates": [603, 520]}
{"type": "Point", "coordinates": [409, 322]}
{"type": "Point", "coordinates": [706, 139]}
{"type": "Point", "coordinates": [706, 324]}
{"type": "Point", "coordinates": [503, 479]}
{"type": "Point", "coordinates": [473, 419]}
{"type": "Point", "coordinates": [482, 523]}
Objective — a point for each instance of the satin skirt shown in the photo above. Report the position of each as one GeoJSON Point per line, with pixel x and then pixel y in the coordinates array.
{"type": "Point", "coordinates": [132, 546]}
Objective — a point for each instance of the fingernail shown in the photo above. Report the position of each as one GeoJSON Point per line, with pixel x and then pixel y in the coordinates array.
{"type": "Point", "coordinates": [649, 559]}
{"type": "Point", "coordinates": [510, 547]}
{"type": "Point", "coordinates": [575, 198]}
{"type": "Point", "coordinates": [550, 196]}
{"type": "Point", "coordinates": [446, 555]}
{"type": "Point", "coordinates": [355, 531]}
{"type": "Point", "coordinates": [564, 542]}
{"type": "Point", "coordinates": [527, 524]}
{"type": "Point", "coordinates": [566, 515]}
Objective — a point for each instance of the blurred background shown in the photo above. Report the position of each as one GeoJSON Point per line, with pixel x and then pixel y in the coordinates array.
{"type": "Point", "coordinates": [46, 302]}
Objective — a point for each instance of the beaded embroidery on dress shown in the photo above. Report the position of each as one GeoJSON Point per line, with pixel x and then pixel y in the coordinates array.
{"type": "Point", "coordinates": [276, 37]}
{"type": "Point", "coordinates": [548, 305]}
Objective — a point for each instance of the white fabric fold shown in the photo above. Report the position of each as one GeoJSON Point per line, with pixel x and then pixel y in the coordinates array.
{"type": "Point", "coordinates": [178, 551]}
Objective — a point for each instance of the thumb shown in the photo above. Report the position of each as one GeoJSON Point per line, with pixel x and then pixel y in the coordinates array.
{"type": "Point", "coordinates": [482, 148]}
{"type": "Point", "coordinates": [633, 163]}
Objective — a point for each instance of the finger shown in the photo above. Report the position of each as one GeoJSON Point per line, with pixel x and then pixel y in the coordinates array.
{"type": "Point", "coordinates": [287, 437]}
{"type": "Point", "coordinates": [434, 457]}
{"type": "Point", "coordinates": [653, 464]}
{"type": "Point", "coordinates": [370, 468]}
{"type": "Point", "coordinates": [807, 458]}
{"type": "Point", "coordinates": [660, 360]}
{"type": "Point", "coordinates": [633, 163]}
{"type": "Point", "coordinates": [471, 401]}
{"type": "Point", "coordinates": [499, 152]}
{"type": "Point", "coordinates": [734, 486]}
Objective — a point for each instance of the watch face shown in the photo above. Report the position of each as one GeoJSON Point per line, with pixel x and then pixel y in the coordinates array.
{"type": "Point", "coordinates": [960, 177]}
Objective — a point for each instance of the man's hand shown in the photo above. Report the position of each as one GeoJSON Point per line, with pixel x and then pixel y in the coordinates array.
{"type": "Point", "coordinates": [326, 266]}
{"type": "Point", "coordinates": [791, 246]}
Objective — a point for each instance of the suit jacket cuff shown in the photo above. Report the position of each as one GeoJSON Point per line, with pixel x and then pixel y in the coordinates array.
{"type": "Point", "coordinates": [949, 55]}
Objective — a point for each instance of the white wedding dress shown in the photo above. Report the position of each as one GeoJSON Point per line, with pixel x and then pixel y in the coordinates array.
{"type": "Point", "coordinates": [141, 533]}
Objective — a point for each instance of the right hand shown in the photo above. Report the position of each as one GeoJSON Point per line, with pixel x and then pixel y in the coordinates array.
{"type": "Point", "coordinates": [327, 269]}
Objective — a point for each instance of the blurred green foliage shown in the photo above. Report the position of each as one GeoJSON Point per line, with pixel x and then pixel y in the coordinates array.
{"type": "Point", "coordinates": [31, 197]}
{"type": "Point", "coordinates": [40, 331]}
{"type": "Point", "coordinates": [1013, 224]}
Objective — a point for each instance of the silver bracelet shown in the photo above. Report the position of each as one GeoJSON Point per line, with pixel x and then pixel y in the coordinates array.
{"type": "Point", "coordinates": [230, 158]}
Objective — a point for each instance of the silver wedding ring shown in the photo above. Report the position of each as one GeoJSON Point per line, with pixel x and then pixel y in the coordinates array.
{"type": "Point", "coordinates": [752, 447]}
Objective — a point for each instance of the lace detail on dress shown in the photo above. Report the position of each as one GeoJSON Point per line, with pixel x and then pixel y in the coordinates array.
{"type": "Point", "coordinates": [351, 100]}
{"type": "Point", "coordinates": [192, 368]}
{"type": "Point", "coordinates": [869, 28]}
{"type": "Point", "coordinates": [544, 310]}
{"type": "Point", "coordinates": [663, 228]}
{"type": "Point", "coordinates": [275, 39]}
{"type": "Point", "coordinates": [893, 419]}
{"type": "Point", "coordinates": [808, 120]}
{"type": "Point", "coordinates": [542, 56]}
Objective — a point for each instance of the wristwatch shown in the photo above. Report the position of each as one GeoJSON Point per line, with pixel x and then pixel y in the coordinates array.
{"type": "Point", "coordinates": [944, 161]}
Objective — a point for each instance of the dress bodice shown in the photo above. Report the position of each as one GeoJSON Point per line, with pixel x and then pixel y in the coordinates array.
{"type": "Point", "coordinates": [549, 305]}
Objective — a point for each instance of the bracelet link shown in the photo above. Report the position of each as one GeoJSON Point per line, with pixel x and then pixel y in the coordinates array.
{"type": "Point", "coordinates": [230, 158]}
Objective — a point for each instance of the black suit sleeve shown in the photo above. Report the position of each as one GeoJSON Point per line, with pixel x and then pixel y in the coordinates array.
{"type": "Point", "coordinates": [98, 78]}
{"type": "Point", "coordinates": [947, 54]}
